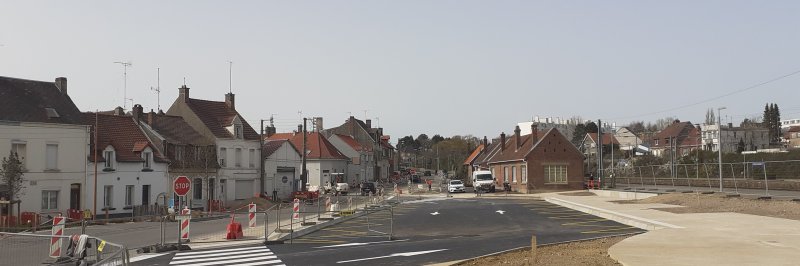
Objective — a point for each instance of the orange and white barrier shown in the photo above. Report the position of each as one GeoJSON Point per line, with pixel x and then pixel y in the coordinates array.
{"type": "Point", "coordinates": [296, 209]}
{"type": "Point", "coordinates": [55, 242]}
{"type": "Point", "coordinates": [252, 213]}
{"type": "Point", "coordinates": [328, 203]}
{"type": "Point", "coordinates": [185, 224]}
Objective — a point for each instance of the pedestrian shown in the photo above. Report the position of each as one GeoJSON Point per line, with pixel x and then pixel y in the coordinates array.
{"type": "Point", "coordinates": [591, 181]}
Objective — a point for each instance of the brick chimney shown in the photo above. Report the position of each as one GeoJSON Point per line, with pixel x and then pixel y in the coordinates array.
{"type": "Point", "coordinates": [61, 84]}
{"type": "Point", "coordinates": [517, 138]}
{"type": "Point", "coordinates": [119, 111]}
{"type": "Point", "coordinates": [183, 93]}
{"type": "Point", "coordinates": [230, 101]}
{"type": "Point", "coordinates": [137, 111]}
{"type": "Point", "coordinates": [534, 133]}
{"type": "Point", "coordinates": [299, 128]}
{"type": "Point", "coordinates": [369, 123]}
{"type": "Point", "coordinates": [502, 142]}
{"type": "Point", "coordinates": [270, 131]}
{"type": "Point", "coordinates": [150, 117]}
{"type": "Point", "coordinates": [485, 142]}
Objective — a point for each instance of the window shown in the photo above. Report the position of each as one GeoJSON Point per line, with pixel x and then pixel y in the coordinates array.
{"type": "Point", "coordinates": [52, 157]}
{"type": "Point", "coordinates": [128, 195]}
{"type": "Point", "coordinates": [238, 157]}
{"type": "Point", "coordinates": [237, 130]}
{"type": "Point", "coordinates": [505, 174]}
{"type": "Point", "coordinates": [147, 157]}
{"type": "Point", "coordinates": [197, 190]}
{"type": "Point", "coordinates": [223, 155]}
{"type": "Point", "coordinates": [179, 153]}
{"type": "Point", "coordinates": [524, 170]}
{"type": "Point", "coordinates": [108, 196]}
{"type": "Point", "coordinates": [514, 174]}
{"type": "Point", "coordinates": [109, 156]}
{"type": "Point", "coordinates": [252, 158]}
{"type": "Point", "coordinates": [20, 150]}
{"type": "Point", "coordinates": [49, 199]}
{"type": "Point", "coordinates": [555, 174]}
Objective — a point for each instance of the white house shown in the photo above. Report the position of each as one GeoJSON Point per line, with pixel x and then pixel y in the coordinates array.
{"type": "Point", "coordinates": [360, 167]}
{"type": "Point", "coordinates": [282, 166]}
{"type": "Point", "coordinates": [128, 169]}
{"type": "Point", "coordinates": [752, 138]}
{"type": "Point", "coordinates": [39, 122]}
{"type": "Point", "coordinates": [324, 162]}
{"type": "Point", "coordinates": [238, 144]}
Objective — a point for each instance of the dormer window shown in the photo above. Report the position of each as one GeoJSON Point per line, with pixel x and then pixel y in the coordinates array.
{"type": "Point", "coordinates": [148, 158]}
{"type": "Point", "coordinates": [237, 131]}
{"type": "Point", "coordinates": [109, 157]}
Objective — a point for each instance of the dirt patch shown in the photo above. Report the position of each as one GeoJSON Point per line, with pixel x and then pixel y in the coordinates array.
{"type": "Point", "coordinates": [591, 252]}
{"type": "Point", "coordinates": [701, 203]}
{"type": "Point", "coordinates": [241, 205]}
{"type": "Point", "coordinates": [580, 193]}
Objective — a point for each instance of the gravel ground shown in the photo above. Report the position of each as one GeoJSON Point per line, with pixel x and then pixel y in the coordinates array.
{"type": "Point", "coordinates": [700, 203]}
{"type": "Point", "coordinates": [590, 252]}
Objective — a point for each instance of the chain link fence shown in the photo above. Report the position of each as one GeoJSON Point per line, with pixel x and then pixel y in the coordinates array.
{"type": "Point", "coordinates": [35, 249]}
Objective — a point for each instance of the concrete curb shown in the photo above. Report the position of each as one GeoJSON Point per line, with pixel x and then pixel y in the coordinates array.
{"type": "Point", "coordinates": [631, 220]}
{"type": "Point", "coordinates": [319, 226]}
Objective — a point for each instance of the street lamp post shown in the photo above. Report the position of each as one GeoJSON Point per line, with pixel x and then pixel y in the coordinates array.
{"type": "Point", "coordinates": [719, 143]}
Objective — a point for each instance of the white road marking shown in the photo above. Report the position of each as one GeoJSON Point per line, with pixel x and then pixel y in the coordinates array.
{"type": "Point", "coordinates": [230, 262]}
{"type": "Point", "coordinates": [221, 253]}
{"type": "Point", "coordinates": [146, 256]}
{"type": "Point", "coordinates": [501, 211]}
{"type": "Point", "coordinates": [246, 256]}
{"type": "Point", "coordinates": [405, 254]}
{"type": "Point", "coordinates": [240, 256]}
{"type": "Point", "coordinates": [360, 244]}
{"type": "Point", "coordinates": [435, 213]}
{"type": "Point", "coordinates": [216, 251]}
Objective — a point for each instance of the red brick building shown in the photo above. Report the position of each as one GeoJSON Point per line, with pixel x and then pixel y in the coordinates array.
{"type": "Point", "coordinates": [542, 160]}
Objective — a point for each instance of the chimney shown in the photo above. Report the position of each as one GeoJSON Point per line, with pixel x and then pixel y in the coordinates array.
{"type": "Point", "coordinates": [150, 117]}
{"type": "Point", "coordinates": [517, 138]}
{"type": "Point", "coordinates": [61, 84]}
{"type": "Point", "coordinates": [138, 111]}
{"type": "Point", "coordinates": [485, 142]}
{"type": "Point", "coordinates": [270, 131]}
{"type": "Point", "coordinates": [183, 93]}
{"type": "Point", "coordinates": [730, 125]}
{"type": "Point", "coordinates": [369, 123]}
{"type": "Point", "coordinates": [119, 111]}
{"type": "Point", "coordinates": [317, 121]}
{"type": "Point", "coordinates": [502, 142]}
{"type": "Point", "coordinates": [229, 101]}
{"type": "Point", "coordinates": [299, 128]}
{"type": "Point", "coordinates": [534, 133]}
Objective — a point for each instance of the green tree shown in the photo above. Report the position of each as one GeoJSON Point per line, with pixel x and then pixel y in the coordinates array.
{"type": "Point", "coordinates": [591, 127]}
{"type": "Point", "coordinates": [740, 147]}
{"type": "Point", "coordinates": [768, 120]}
{"type": "Point", "coordinates": [436, 139]}
{"type": "Point", "coordinates": [12, 175]}
{"type": "Point", "coordinates": [776, 122]}
{"type": "Point", "coordinates": [578, 134]}
{"type": "Point", "coordinates": [423, 141]}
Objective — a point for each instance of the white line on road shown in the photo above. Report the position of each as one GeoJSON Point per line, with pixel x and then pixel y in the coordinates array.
{"type": "Point", "coordinates": [405, 254]}
{"type": "Point", "coordinates": [218, 250]}
{"type": "Point", "coordinates": [146, 256]}
{"type": "Point", "coordinates": [501, 211]}
{"type": "Point", "coordinates": [240, 256]}
{"type": "Point", "coordinates": [225, 255]}
{"type": "Point", "coordinates": [232, 262]}
{"type": "Point", "coordinates": [435, 213]}
{"type": "Point", "coordinates": [360, 244]}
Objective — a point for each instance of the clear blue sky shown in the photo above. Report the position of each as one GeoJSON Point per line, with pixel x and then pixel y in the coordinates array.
{"type": "Point", "coordinates": [446, 67]}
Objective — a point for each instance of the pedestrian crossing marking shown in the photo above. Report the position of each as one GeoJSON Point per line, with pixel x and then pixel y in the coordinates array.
{"type": "Point", "coordinates": [245, 256]}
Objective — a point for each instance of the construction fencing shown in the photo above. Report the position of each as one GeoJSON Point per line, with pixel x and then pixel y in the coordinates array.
{"type": "Point", "coordinates": [35, 249]}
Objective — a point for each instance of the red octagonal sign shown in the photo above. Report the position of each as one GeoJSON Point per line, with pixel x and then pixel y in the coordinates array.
{"type": "Point", "coordinates": [182, 185]}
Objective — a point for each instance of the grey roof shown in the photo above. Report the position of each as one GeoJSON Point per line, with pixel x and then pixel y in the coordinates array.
{"type": "Point", "coordinates": [28, 101]}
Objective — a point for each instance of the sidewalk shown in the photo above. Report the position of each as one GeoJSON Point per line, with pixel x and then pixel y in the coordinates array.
{"type": "Point", "coordinates": [693, 238]}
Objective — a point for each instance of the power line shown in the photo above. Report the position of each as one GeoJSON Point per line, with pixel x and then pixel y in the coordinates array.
{"type": "Point", "coordinates": [714, 98]}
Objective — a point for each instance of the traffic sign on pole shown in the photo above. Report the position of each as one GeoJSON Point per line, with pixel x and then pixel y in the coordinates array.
{"type": "Point", "coordinates": [181, 185]}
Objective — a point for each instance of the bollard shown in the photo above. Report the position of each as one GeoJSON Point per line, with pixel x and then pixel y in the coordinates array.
{"type": "Point", "coordinates": [391, 222]}
{"type": "Point", "coordinates": [533, 248]}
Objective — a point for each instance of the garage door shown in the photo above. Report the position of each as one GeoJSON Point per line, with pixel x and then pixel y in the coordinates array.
{"type": "Point", "coordinates": [244, 189]}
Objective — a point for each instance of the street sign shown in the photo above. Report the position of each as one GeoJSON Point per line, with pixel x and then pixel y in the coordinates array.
{"type": "Point", "coordinates": [182, 185]}
{"type": "Point", "coordinates": [758, 163]}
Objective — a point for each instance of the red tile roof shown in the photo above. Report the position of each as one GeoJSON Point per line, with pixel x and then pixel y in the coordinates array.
{"type": "Point", "coordinates": [316, 143]}
{"type": "Point", "coordinates": [608, 138]}
{"type": "Point", "coordinates": [678, 130]}
{"type": "Point", "coordinates": [122, 133]}
{"type": "Point", "coordinates": [350, 141]}
{"type": "Point", "coordinates": [511, 152]}
{"type": "Point", "coordinates": [692, 138]}
{"type": "Point", "coordinates": [217, 116]}
{"type": "Point", "coordinates": [473, 155]}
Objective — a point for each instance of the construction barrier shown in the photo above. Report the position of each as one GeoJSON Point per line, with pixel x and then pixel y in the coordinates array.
{"type": "Point", "coordinates": [57, 232]}
{"type": "Point", "coordinates": [185, 223]}
{"type": "Point", "coordinates": [252, 215]}
{"type": "Point", "coordinates": [296, 209]}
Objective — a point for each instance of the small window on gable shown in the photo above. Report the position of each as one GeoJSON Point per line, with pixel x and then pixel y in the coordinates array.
{"type": "Point", "coordinates": [51, 113]}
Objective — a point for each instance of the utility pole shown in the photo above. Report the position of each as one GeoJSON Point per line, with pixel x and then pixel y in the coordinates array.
{"type": "Point", "coordinates": [261, 159]}
{"type": "Point", "coordinates": [719, 135]}
{"type": "Point", "coordinates": [304, 174]}
{"type": "Point", "coordinates": [599, 152]}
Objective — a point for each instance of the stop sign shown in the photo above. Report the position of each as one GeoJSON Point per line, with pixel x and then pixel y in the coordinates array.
{"type": "Point", "coordinates": [182, 185]}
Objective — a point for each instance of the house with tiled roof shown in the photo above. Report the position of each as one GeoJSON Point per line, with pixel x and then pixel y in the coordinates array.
{"type": "Point", "coordinates": [237, 143]}
{"type": "Point", "coordinates": [282, 168]}
{"type": "Point", "coordinates": [542, 160]}
{"type": "Point", "coordinates": [360, 167]}
{"type": "Point", "coordinates": [470, 162]}
{"type": "Point", "coordinates": [324, 162]}
{"type": "Point", "coordinates": [42, 125]}
{"type": "Point", "coordinates": [589, 145]}
{"type": "Point", "coordinates": [190, 153]}
{"type": "Point", "coordinates": [628, 140]}
{"type": "Point", "coordinates": [674, 138]}
{"type": "Point", "coordinates": [383, 159]}
{"type": "Point", "coordinates": [129, 169]}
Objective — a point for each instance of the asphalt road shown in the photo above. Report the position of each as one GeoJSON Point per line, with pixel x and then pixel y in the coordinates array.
{"type": "Point", "coordinates": [423, 232]}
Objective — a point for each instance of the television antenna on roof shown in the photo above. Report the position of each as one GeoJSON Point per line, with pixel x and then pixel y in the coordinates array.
{"type": "Point", "coordinates": [125, 66]}
{"type": "Point", "coordinates": [157, 89]}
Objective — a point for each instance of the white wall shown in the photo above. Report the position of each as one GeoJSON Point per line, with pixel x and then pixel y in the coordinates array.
{"type": "Point", "coordinates": [122, 175]}
{"type": "Point", "coordinates": [231, 173]}
{"type": "Point", "coordinates": [72, 141]}
{"type": "Point", "coordinates": [316, 177]}
{"type": "Point", "coordinates": [285, 156]}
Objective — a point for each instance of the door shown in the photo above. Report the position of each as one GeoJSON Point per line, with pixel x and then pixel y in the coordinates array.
{"type": "Point", "coordinates": [75, 196]}
{"type": "Point", "coordinates": [145, 194]}
{"type": "Point", "coordinates": [285, 181]}
{"type": "Point", "coordinates": [244, 189]}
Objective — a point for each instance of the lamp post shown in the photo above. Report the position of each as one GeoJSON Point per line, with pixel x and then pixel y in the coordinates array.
{"type": "Point", "coordinates": [719, 143]}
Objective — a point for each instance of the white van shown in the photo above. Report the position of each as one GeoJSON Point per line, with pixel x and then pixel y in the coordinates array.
{"type": "Point", "coordinates": [483, 180]}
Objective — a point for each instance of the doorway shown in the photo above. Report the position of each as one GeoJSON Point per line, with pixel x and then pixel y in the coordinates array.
{"type": "Point", "coordinates": [145, 194]}
{"type": "Point", "coordinates": [75, 196]}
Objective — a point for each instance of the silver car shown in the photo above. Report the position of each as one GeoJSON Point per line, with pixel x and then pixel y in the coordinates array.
{"type": "Point", "coordinates": [455, 186]}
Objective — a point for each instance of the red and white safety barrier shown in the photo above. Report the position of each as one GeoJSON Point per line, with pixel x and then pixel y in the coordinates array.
{"type": "Point", "coordinates": [55, 242]}
{"type": "Point", "coordinates": [296, 209]}
{"type": "Point", "coordinates": [328, 203]}
{"type": "Point", "coordinates": [185, 223]}
{"type": "Point", "coordinates": [252, 212]}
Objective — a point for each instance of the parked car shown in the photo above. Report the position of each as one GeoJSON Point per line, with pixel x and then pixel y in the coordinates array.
{"type": "Point", "coordinates": [341, 188]}
{"type": "Point", "coordinates": [367, 188]}
{"type": "Point", "coordinates": [456, 186]}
